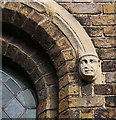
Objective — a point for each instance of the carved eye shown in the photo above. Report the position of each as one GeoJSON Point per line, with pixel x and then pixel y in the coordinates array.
{"type": "Point", "coordinates": [91, 61]}
{"type": "Point", "coordinates": [85, 61]}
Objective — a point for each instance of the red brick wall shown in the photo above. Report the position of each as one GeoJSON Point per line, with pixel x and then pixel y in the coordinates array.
{"type": "Point", "coordinates": [98, 19]}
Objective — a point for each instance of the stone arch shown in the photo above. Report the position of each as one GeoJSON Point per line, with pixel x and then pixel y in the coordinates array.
{"type": "Point", "coordinates": [51, 27]}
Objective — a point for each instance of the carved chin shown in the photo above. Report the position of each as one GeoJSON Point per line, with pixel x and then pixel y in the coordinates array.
{"type": "Point", "coordinates": [88, 78]}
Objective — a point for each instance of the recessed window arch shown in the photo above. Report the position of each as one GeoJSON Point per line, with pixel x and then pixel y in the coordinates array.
{"type": "Point", "coordinates": [18, 96]}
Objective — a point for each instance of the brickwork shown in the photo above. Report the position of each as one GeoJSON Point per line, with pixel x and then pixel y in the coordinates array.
{"type": "Point", "coordinates": [98, 19]}
{"type": "Point", "coordinates": [76, 99]}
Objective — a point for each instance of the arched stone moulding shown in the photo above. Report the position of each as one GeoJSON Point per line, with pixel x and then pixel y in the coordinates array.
{"type": "Point", "coordinates": [75, 33]}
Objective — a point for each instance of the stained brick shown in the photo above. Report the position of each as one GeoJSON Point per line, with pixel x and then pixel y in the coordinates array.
{"type": "Point", "coordinates": [103, 89]}
{"type": "Point", "coordinates": [86, 113]}
{"type": "Point", "coordinates": [103, 20]}
{"type": "Point", "coordinates": [104, 42]}
{"type": "Point", "coordinates": [105, 113]}
{"type": "Point", "coordinates": [94, 31]}
{"type": "Point", "coordinates": [82, 8]}
{"type": "Point", "coordinates": [20, 58]}
{"type": "Point", "coordinates": [86, 89]}
{"type": "Point", "coordinates": [110, 101]}
{"type": "Point", "coordinates": [107, 53]}
{"type": "Point", "coordinates": [47, 104]}
{"type": "Point", "coordinates": [29, 65]}
{"type": "Point", "coordinates": [84, 20]}
{"type": "Point", "coordinates": [7, 15]}
{"type": "Point", "coordinates": [11, 51]}
{"type": "Point", "coordinates": [70, 113]}
{"type": "Point", "coordinates": [108, 8]}
{"type": "Point", "coordinates": [109, 66]}
{"type": "Point", "coordinates": [69, 66]}
{"type": "Point", "coordinates": [67, 79]}
{"type": "Point", "coordinates": [110, 31]}
{"type": "Point", "coordinates": [110, 77]}
{"type": "Point", "coordinates": [4, 47]}
{"type": "Point", "coordinates": [71, 89]}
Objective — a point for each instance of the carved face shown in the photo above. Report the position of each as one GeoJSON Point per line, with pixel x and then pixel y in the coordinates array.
{"type": "Point", "coordinates": [88, 67]}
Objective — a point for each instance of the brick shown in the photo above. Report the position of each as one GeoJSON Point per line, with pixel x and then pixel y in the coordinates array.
{"type": "Point", "coordinates": [50, 79]}
{"type": "Point", "coordinates": [83, 8]}
{"type": "Point", "coordinates": [35, 75]}
{"type": "Point", "coordinates": [114, 89]}
{"type": "Point", "coordinates": [67, 79]}
{"type": "Point", "coordinates": [20, 58]}
{"type": "Point", "coordinates": [60, 45]}
{"type": "Point", "coordinates": [32, 22]}
{"type": "Point", "coordinates": [12, 5]}
{"type": "Point", "coordinates": [4, 47]}
{"type": "Point", "coordinates": [11, 51]}
{"type": "Point", "coordinates": [7, 15]}
{"type": "Point", "coordinates": [94, 31]}
{"type": "Point", "coordinates": [70, 113]}
{"type": "Point", "coordinates": [86, 113]}
{"type": "Point", "coordinates": [83, 19]}
{"type": "Point", "coordinates": [48, 114]}
{"type": "Point", "coordinates": [86, 90]}
{"type": "Point", "coordinates": [107, 53]}
{"type": "Point", "coordinates": [103, 20]}
{"type": "Point", "coordinates": [108, 8]}
{"type": "Point", "coordinates": [103, 1]}
{"type": "Point", "coordinates": [59, 61]}
{"type": "Point", "coordinates": [68, 67]}
{"type": "Point", "coordinates": [29, 65]}
{"type": "Point", "coordinates": [24, 10]}
{"type": "Point", "coordinates": [103, 42]}
{"type": "Point", "coordinates": [110, 101]}
{"type": "Point", "coordinates": [68, 54]}
{"type": "Point", "coordinates": [109, 66]}
{"type": "Point", "coordinates": [110, 77]}
{"type": "Point", "coordinates": [80, 102]}
{"type": "Point", "coordinates": [47, 104]}
{"type": "Point", "coordinates": [21, 15]}
{"type": "Point", "coordinates": [105, 113]}
{"type": "Point", "coordinates": [71, 89]}
{"type": "Point", "coordinates": [110, 31]}
{"type": "Point", "coordinates": [103, 89]}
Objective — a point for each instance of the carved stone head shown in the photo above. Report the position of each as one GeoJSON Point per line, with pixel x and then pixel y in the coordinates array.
{"type": "Point", "coordinates": [88, 67]}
